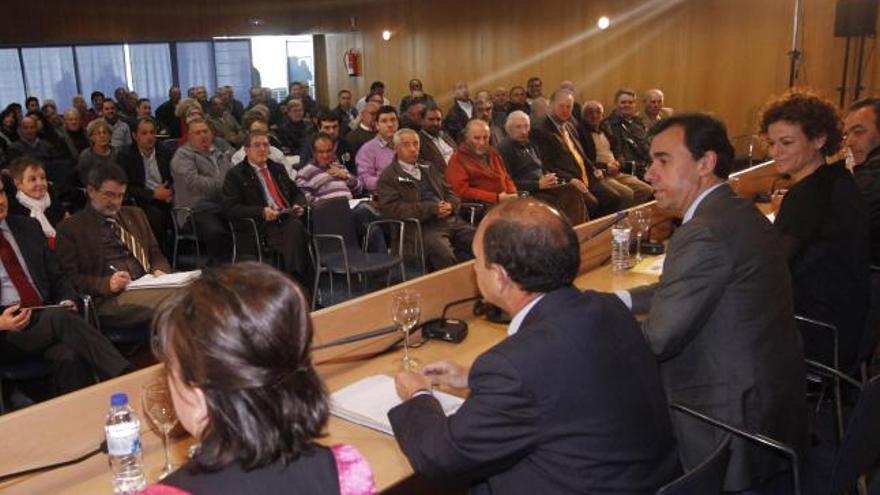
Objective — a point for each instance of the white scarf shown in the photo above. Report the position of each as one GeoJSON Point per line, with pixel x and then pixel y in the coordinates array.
{"type": "Point", "coordinates": [38, 210]}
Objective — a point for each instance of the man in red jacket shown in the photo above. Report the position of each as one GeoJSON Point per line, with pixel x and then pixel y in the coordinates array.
{"type": "Point", "coordinates": [476, 171]}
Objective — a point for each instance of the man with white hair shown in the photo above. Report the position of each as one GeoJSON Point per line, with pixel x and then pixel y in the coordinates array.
{"type": "Point", "coordinates": [72, 135]}
{"type": "Point", "coordinates": [653, 110]}
{"type": "Point", "coordinates": [526, 169]}
{"type": "Point", "coordinates": [410, 189]}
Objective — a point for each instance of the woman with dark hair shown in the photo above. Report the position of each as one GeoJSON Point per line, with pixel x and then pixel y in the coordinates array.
{"type": "Point", "coordinates": [9, 125]}
{"type": "Point", "coordinates": [822, 218]}
{"type": "Point", "coordinates": [236, 346]}
{"type": "Point", "coordinates": [32, 196]}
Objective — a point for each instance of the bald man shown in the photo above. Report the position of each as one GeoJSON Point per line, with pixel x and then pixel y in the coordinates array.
{"type": "Point", "coordinates": [570, 402]}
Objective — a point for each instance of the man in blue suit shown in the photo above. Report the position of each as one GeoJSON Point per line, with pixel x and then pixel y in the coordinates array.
{"type": "Point", "coordinates": [570, 402]}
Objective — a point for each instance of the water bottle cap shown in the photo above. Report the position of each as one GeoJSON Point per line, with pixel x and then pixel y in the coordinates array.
{"type": "Point", "coordinates": [119, 399]}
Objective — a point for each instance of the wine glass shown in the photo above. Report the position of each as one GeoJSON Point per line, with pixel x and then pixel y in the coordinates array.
{"type": "Point", "coordinates": [641, 220]}
{"type": "Point", "coordinates": [159, 407]}
{"type": "Point", "coordinates": [405, 312]}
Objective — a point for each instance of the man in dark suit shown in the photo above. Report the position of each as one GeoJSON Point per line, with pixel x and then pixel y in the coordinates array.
{"type": "Point", "coordinates": [558, 144]}
{"type": "Point", "coordinates": [31, 277]}
{"type": "Point", "coordinates": [260, 189]}
{"type": "Point", "coordinates": [149, 177]}
{"type": "Point", "coordinates": [461, 112]}
{"type": "Point", "coordinates": [720, 320]}
{"type": "Point", "coordinates": [571, 402]}
{"type": "Point", "coordinates": [106, 245]}
{"type": "Point", "coordinates": [436, 145]}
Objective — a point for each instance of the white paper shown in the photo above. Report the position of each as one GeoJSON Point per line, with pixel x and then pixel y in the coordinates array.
{"type": "Point", "coordinates": [367, 401]}
{"type": "Point", "coordinates": [169, 280]}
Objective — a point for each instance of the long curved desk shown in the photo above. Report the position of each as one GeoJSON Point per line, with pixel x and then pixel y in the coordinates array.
{"type": "Point", "coordinates": [71, 425]}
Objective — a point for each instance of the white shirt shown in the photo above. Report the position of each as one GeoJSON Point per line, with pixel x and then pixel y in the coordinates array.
{"type": "Point", "coordinates": [152, 176]}
{"type": "Point", "coordinates": [8, 292]}
{"type": "Point", "coordinates": [520, 315]}
{"type": "Point", "coordinates": [467, 107]}
{"type": "Point", "coordinates": [270, 200]}
{"type": "Point", "coordinates": [443, 147]}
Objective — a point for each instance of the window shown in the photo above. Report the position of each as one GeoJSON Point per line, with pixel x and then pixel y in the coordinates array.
{"type": "Point", "coordinates": [49, 74]}
{"type": "Point", "coordinates": [11, 83]}
{"type": "Point", "coordinates": [195, 65]}
{"type": "Point", "coordinates": [233, 60]}
{"type": "Point", "coordinates": [151, 71]}
{"type": "Point", "coordinates": [101, 68]}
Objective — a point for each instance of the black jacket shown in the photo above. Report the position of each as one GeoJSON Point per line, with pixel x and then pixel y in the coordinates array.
{"type": "Point", "coordinates": [133, 163]}
{"type": "Point", "coordinates": [243, 195]}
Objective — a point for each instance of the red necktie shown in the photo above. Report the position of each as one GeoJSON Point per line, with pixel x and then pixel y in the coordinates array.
{"type": "Point", "coordinates": [276, 196]}
{"type": "Point", "coordinates": [26, 291]}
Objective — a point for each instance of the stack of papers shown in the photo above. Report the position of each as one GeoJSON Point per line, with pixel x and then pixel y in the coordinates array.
{"type": "Point", "coordinates": [167, 281]}
{"type": "Point", "coordinates": [366, 402]}
{"type": "Point", "coordinates": [650, 265]}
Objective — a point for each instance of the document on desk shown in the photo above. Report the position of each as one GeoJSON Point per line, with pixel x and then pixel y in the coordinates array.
{"type": "Point", "coordinates": [650, 265]}
{"type": "Point", "coordinates": [366, 402]}
{"type": "Point", "coordinates": [167, 281]}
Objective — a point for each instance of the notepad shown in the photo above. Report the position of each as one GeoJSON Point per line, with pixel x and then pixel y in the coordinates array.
{"type": "Point", "coordinates": [366, 402]}
{"type": "Point", "coordinates": [167, 281]}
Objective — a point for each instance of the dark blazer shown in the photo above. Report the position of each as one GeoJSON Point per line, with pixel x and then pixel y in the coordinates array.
{"type": "Point", "coordinates": [572, 403]}
{"type": "Point", "coordinates": [41, 262]}
{"type": "Point", "coordinates": [523, 164]}
{"type": "Point", "coordinates": [867, 177]}
{"type": "Point", "coordinates": [243, 195]}
{"type": "Point", "coordinates": [555, 155]}
{"type": "Point", "coordinates": [455, 121]}
{"type": "Point", "coordinates": [721, 323]}
{"type": "Point", "coordinates": [78, 245]}
{"type": "Point", "coordinates": [133, 163]}
{"type": "Point", "coordinates": [398, 194]}
{"type": "Point", "coordinates": [428, 151]}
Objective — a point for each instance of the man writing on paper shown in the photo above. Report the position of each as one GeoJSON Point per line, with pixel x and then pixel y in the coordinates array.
{"type": "Point", "coordinates": [720, 319]}
{"type": "Point", "coordinates": [571, 402]}
{"type": "Point", "coordinates": [106, 245]}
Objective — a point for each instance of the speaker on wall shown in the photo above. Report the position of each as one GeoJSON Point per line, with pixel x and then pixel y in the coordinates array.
{"type": "Point", "coordinates": [855, 18]}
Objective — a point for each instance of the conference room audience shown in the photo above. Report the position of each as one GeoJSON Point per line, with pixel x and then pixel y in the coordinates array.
{"type": "Point", "coordinates": [376, 154]}
{"type": "Point", "coordinates": [518, 100]}
{"type": "Point", "coordinates": [255, 122]}
{"type": "Point", "coordinates": [29, 195]}
{"type": "Point", "coordinates": [483, 110]}
{"type": "Point", "coordinates": [328, 123]}
{"type": "Point", "coordinates": [720, 319]}
{"type": "Point", "coordinates": [30, 143]}
{"type": "Point", "coordinates": [295, 129]}
{"type": "Point", "coordinates": [376, 88]}
{"type": "Point", "coordinates": [412, 189]}
{"type": "Point", "coordinates": [414, 115]}
{"type": "Point", "coordinates": [570, 402]}
{"type": "Point", "coordinates": [149, 177]}
{"type": "Point", "coordinates": [823, 220]}
{"type": "Point", "coordinates": [107, 245]}
{"type": "Point", "coordinates": [344, 111]}
{"type": "Point", "coordinates": [78, 352]}
{"type": "Point", "coordinates": [72, 135]}
{"type": "Point", "coordinates": [460, 113]}
{"type": "Point", "coordinates": [259, 372]}
{"type": "Point", "coordinates": [630, 138]}
{"type": "Point", "coordinates": [165, 113]}
{"type": "Point", "coordinates": [476, 171]}
{"type": "Point", "coordinates": [416, 93]}
{"type": "Point", "coordinates": [534, 89]}
{"type": "Point", "coordinates": [198, 170]}
{"type": "Point", "coordinates": [365, 127]}
{"type": "Point", "coordinates": [120, 131]}
{"type": "Point", "coordinates": [101, 152]}
{"type": "Point", "coordinates": [260, 189]}
{"type": "Point", "coordinates": [526, 170]}
{"type": "Point", "coordinates": [223, 123]}
{"type": "Point", "coordinates": [9, 122]}
{"type": "Point", "coordinates": [862, 138]}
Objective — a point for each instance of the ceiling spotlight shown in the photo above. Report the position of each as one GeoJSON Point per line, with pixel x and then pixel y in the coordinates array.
{"type": "Point", "coordinates": [603, 22]}
{"type": "Point", "coordinates": [386, 35]}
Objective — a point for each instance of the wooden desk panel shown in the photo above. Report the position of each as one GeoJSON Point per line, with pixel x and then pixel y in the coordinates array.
{"type": "Point", "coordinates": [70, 425]}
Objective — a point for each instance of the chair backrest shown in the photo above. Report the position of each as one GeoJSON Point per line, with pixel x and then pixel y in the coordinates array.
{"type": "Point", "coordinates": [333, 216]}
{"type": "Point", "coordinates": [860, 448]}
{"type": "Point", "coordinates": [705, 479]}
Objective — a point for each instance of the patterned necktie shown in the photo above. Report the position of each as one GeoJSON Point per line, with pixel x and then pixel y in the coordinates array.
{"type": "Point", "coordinates": [276, 196]}
{"type": "Point", "coordinates": [130, 243]}
{"type": "Point", "coordinates": [26, 291]}
{"type": "Point", "coordinates": [569, 142]}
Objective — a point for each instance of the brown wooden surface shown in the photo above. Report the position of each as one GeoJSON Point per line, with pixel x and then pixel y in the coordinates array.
{"type": "Point", "coordinates": [73, 424]}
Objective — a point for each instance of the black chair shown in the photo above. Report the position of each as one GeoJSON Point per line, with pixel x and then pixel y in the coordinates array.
{"type": "Point", "coordinates": [184, 226]}
{"type": "Point", "coordinates": [246, 228]}
{"type": "Point", "coordinates": [336, 250]}
{"type": "Point", "coordinates": [705, 479]}
{"type": "Point", "coordinates": [419, 242]}
{"type": "Point", "coordinates": [827, 353]}
{"type": "Point", "coordinates": [26, 370]}
{"type": "Point", "coordinates": [472, 212]}
{"type": "Point", "coordinates": [128, 339]}
{"type": "Point", "coordinates": [755, 438]}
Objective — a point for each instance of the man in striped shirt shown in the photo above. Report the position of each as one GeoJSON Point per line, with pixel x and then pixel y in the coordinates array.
{"type": "Point", "coordinates": [325, 178]}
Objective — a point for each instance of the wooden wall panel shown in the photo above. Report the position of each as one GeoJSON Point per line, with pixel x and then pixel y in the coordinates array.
{"type": "Point", "coordinates": [723, 56]}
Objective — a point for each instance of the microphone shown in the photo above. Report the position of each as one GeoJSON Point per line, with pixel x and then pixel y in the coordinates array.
{"type": "Point", "coordinates": [655, 248]}
{"type": "Point", "coordinates": [448, 329]}
{"type": "Point", "coordinates": [620, 215]}
{"type": "Point", "coordinates": [357, 337]}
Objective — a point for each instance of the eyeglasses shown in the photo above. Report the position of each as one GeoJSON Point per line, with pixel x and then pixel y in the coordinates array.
{"type": "Point", "coordinates": [110, 195]}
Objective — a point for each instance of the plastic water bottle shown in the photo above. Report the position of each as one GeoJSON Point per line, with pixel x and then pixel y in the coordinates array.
{"type": "Point", "coordinates": [123, 430]}
{"type": "Point", "coordinates": [621, 233]}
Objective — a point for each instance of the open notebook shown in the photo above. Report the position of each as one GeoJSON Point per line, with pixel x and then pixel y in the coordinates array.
{"type": "Point", "coordinates": [367, 401]}
{"type": "Point", "coordinates": [169, 280]}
